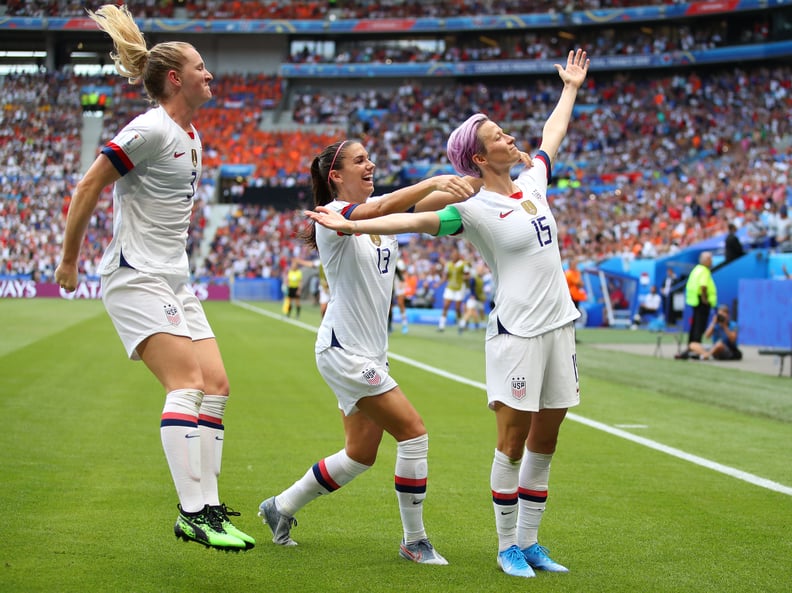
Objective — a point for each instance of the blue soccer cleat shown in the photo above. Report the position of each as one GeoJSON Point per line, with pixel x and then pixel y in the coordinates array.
{"type": "Point", "coordinates": [537, 556]}
{"type": "Point", "coordinates": [513, 563]}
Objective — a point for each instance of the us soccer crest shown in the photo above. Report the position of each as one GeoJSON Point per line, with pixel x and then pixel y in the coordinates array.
{"type": "Point", "coordinates": [172, 314]}
{"type": "Point", "coordinates": [529, 207]}
{"type": "Point", "coordinates": [372, 377]}
{"type": "Point", "coordinates": [518, 387]}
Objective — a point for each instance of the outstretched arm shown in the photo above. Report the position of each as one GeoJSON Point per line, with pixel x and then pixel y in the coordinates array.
{"type": "Point", "coordinates": [556, 126]}
{"type": "Point", "coordinates": [392, 224]}
{"type": "Point", "coordinates": [436, 191]}
{"type": "Point", "coordinates": [439, 199]}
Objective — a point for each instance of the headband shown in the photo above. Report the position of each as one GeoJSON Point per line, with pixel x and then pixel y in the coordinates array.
{"type": "Point", "coordinates": [332, 164]}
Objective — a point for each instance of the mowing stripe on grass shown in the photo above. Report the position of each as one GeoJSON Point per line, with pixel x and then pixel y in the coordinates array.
{"type": "Point", "coordinates": [709, 464]}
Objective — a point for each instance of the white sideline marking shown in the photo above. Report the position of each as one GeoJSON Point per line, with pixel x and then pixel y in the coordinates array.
{"type": "Point", "coordinates": [713, 465]}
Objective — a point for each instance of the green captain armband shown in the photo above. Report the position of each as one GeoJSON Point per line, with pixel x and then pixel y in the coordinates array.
{"type": "Point", "coordinates": [450, 221]}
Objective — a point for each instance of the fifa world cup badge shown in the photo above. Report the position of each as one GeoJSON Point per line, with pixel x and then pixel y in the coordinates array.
{"type": "Point", "coordinates": [376, 240]}
{"type": "Point", "coordinates": [529, 207]}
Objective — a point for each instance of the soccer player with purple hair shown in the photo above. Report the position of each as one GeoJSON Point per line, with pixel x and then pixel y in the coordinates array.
{"type": "Point", "coordinates": [531, 368]}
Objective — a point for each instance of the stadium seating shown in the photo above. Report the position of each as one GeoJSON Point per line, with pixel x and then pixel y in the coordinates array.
{"type": "Point", "coordinates": [655, 161]}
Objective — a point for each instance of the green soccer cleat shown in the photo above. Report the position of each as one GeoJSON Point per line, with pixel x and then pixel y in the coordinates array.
{"type": "Point", "coordinates": [205, 528]}
{"type": "Point", "coordinates": [223, 512]}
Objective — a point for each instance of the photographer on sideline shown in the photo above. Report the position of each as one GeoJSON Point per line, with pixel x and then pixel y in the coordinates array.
{"type": "Point", "coordinates": [723, 333]}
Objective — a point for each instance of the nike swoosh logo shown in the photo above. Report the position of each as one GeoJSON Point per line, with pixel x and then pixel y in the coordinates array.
{"type": "Point", "coordinates": [192, 436]}
{"type": "Point", "coordinates": [417, 502]}
{"type": "Point", "coordinates": [218, 438]}
{"type": "Point", "coordinates": [506, 512]}
{"type": "Point", "coordinates": [505, 214]}
{"type": "Point", "coordinates": [177, 154]}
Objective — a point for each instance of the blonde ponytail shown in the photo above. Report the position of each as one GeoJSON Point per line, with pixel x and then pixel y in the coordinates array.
{"type": "Point", "coordinates": [131, 53]}
{"type": "Point", "coordinates": [131, 57]}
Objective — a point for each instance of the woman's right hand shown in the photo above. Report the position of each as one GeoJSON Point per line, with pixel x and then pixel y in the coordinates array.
{"type": "Point", "coordinates": [459, 187]}
{"type": "Point", "coordinates": [66, 276]}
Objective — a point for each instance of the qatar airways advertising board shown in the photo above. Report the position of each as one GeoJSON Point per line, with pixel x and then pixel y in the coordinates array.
{"type": "Point", "coordinates": [91, 289]}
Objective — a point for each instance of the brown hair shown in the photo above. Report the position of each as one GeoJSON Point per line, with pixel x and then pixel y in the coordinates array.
{"type": "Point", "coordinates": [131, 57]}
{"type": "Point", "coordinates": [323, 189]}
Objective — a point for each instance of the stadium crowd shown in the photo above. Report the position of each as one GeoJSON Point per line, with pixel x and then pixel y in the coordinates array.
{"type": "Point", "coordinates": [651, 164]}
{"type": "Point", "coordinates": [285, 9]}
{"type": "Point", "coordinates": [516, 45]}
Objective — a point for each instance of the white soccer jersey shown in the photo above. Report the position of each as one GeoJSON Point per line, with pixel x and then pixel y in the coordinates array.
{"type": "Point", "coordinates": [360, 271]}
{"type": "Point", "coordinates": [518, 238]}
{"type": "Point", "coordinates": [160, 165]}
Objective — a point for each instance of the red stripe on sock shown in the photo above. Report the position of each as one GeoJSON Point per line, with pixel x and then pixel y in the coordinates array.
{"type": "Point", "coordinates": [326, 475]}
{"type": "Point", "coordinates": [410, 481]}
{"type": "Point", "coordinates": [536, 493]}
{"type": "Point", "coordinates": [177, 416]}
{"type": "Point", "coordinates": [508, 497]}
{"type": "Point", "coordinates": [212, 419]}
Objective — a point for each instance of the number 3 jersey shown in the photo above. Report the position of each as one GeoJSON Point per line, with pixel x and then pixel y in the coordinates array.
{"type": "Point", "coordinates": [160, 166]}
{"type": "Point", "coordinates": [360, 271]}
{"type": "Point", "coordinates": [518, 238]}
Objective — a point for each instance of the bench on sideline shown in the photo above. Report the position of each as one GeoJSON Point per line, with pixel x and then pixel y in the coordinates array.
{"type": "Point", "coordinates": [658, 325]}
{"type": "Point", "coordinates": [781, 353]}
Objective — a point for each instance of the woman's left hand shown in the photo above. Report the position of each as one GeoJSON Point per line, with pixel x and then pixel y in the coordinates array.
{"type": "Point", "coordinates": [576, 68]}
{"type": "Point", "coordinates": [330, 219]}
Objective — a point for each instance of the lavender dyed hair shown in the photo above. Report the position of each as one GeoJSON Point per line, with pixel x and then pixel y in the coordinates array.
{"type": "Point", "coordinates": [463, 143]}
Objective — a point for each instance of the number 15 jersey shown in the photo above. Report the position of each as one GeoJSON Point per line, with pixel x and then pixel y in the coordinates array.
{"type": "Point", "coordinates": [518, 238]}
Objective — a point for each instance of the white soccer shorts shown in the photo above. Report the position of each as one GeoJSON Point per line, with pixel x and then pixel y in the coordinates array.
{"type": "Point", "coordinates": [352, 377]}
{"type": "Point", "coordinates": [533, 374]}
{"type": "Point", "coordinates": [141, 305]}
{"type": "Point", "coordinates": [456, 296]}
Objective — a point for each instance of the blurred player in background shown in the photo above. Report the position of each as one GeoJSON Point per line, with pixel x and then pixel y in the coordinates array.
{"type": "Point", "coordinates": [155, 163]}
{"type": "Point", "coordinates": [294, 278]}
{"type": "Point", "coordinates": [399, 291]}
{"type": "Point", "coordinates": [476, 298]}
{"type": "Point", "coordinates": [455, 274]}
{"type": "Point", "coordinates": [352, 343]}
{"type": "Point", "coordinates": [531, 362]}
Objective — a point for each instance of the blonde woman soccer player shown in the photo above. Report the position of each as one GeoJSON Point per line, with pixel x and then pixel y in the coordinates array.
{"type": "Point", "coordinates": [352, 343]}
{"type": "Point", "coordinates": [155, 164]}
{"type": "Point", "coordinates": [530, 351]}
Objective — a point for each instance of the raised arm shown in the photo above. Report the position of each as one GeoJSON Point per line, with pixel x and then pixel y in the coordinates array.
{"type": "Point", "coordinates": [556, 126]}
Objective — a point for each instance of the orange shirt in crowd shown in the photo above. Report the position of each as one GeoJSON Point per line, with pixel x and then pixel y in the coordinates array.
{"type": "Point", "coordinates": [575, 283]}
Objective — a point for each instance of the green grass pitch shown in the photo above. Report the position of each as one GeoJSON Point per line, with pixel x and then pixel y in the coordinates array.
{"type": "Point", "coordinates": [668, 477]}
